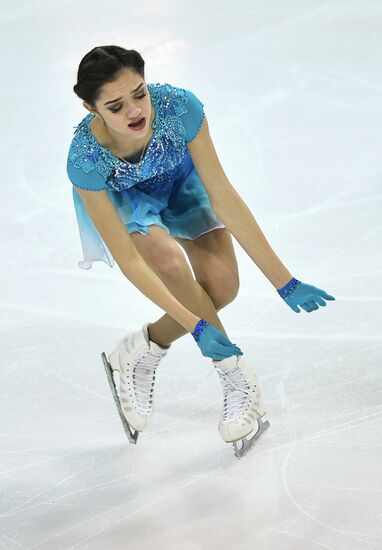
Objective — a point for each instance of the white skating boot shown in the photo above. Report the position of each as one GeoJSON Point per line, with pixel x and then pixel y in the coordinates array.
{"type": "Point", "coordinates": [242, 408]}
{"type": "Point", "coordinates": [136, 358]}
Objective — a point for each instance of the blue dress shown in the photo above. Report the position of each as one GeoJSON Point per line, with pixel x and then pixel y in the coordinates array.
{"type": "Point", "coordinates": [162, 189]}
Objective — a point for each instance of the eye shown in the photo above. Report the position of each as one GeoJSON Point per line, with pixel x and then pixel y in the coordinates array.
{"type": "Point", "coordinates": [119, 108]}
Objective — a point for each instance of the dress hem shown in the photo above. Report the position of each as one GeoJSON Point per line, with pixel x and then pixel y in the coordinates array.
{"type": "Point", "coordinates": [87, 264]}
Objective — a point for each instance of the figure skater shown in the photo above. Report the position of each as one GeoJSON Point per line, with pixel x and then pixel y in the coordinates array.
{"type": "Point", "coordinates": [146, 179]}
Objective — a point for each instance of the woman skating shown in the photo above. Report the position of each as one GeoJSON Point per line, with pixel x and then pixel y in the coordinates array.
{"type": "Point", "coordinates": [145, 177]}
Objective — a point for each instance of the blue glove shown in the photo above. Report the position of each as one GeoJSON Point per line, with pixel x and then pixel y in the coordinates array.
{"type": "Point", "coordinates": [306, 296]}
{"type": "Point", "coordinates": [212, 342]}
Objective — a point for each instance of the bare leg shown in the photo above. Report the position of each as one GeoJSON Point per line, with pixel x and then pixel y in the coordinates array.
{"type": "Point", "coordinates": [193, 296]}
{"type": "Point", "coordinates": [165, 258]}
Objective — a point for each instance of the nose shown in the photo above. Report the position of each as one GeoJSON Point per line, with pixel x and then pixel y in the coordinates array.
{"type": "Point", "coordinates": [134, 113]}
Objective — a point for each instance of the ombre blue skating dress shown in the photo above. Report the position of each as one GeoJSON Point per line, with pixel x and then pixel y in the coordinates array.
{"type": "Point", "coordinates": [162, 189]}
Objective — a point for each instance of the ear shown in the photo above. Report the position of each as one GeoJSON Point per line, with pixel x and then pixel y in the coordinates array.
{"type": "Point", "coordinates": [87, 106]}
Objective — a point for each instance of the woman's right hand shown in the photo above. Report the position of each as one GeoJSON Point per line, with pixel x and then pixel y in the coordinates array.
{"type": "Point", "coordinates": [212, 342]}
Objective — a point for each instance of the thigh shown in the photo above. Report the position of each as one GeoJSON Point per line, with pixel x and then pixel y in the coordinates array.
{"type": "Point", "coordinates": [210, 254]}
{"type": "Point", "coordinates": [158, 248]}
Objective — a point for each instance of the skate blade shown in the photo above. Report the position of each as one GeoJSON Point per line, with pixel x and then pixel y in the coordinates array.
{"type": "Point", "coordinates": [132, 436]}
{"type": "Point", "coordinates": [247, 444]}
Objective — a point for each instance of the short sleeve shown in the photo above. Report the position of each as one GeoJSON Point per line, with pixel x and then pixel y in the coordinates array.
{"type": "Point", "coordinates": [193, 118]}
{"type": "Point", "coordinates": [91, 181]}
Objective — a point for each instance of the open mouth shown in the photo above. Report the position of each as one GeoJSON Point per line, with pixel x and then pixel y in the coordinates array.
{"type": "Point", "coordinates": [138, 123]}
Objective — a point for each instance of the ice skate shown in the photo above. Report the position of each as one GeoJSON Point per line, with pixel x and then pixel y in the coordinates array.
{"type": "Point", "coordinates": [242, 408]}
{"type": "Point", "coordinates": [135, 358]}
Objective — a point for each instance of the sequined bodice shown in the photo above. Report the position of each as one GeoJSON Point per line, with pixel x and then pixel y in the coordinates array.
{"type": "Point", "coordinates": [165, 152]}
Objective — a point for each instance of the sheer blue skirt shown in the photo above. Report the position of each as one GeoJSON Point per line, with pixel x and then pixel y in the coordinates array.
{"type": "Point", "coordinates": [182, 209]}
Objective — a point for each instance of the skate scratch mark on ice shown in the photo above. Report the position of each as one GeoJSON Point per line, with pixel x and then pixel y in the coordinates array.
{"type": "Point", "coordinates": [280, 391]}
{"type": "Point", "coordinates": [66, 495]}
{"type": "Point", "coordinates": [327, 203]}
{"type": "Point", "coordinates": [321, 358]}
{"type": "Point", "coordinates": [254, 320]}
{"type": "Point", "coordinates": [351, 534]}
{"type": "Point", "coordinates": [78, 386]}
{"type": "Point", "coordinates": [292, 449]}
{"type": "Point", "coordinates": [356, 422]}
{"type": "Point", "coordinates": [325, 206]}
{"type": "Point", "coordinates": [91, 487]}
{"type": "Point", "coordinates": [26, 217]}
{"type": "Point", "coordinates": [24, 504]}
{"type": "Point", "coordinates": [351, 384]}
{"type": "Point", "coordinates": [353, 275]}
{"type": "Point", "coordinates": [354, 78]}
{"type": "Point", "coordinates": [22, 182]}
{"type": "Point", "coordinates": [323, 355]}
{"type": "Point", "coordinates": [131, 513]}
{"type": "Point", "coordinates": [299, 537]}
{"type": "Point", "coordinates": [249, 544]}
{"type": "Point", "coordinates": [313, 139]}
{"type": "Point", "coordinates": [114, 509]}
{"type": "Point", "coordinates": [67, 426]}
{"type": "Point", "coordinates": [11, 541]}
{"type": "Point", "coordinates": [360, 298]}
{"type": "Point", "coordinates": [370, 418]}
{"type": "Point", "coordinates": [77, 273]}
{"type": "Point", "coordinates": [84, 446]}
{"type": "Point", "coordinates": [345, 249]}
{"type": "Point", "coordinates": [50, 312]}
{"type": "Point", "coordinates": [344, 337]}
{"type": "Point", "coordinates": [340, 488]}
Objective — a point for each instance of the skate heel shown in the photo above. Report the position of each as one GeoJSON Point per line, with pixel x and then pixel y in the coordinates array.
{"type": "Point", "coordinates": [113, 359]}
{"type": "Point", "coordinates": [242, 406]}
{"type": "Point", "coordinates": [136, 359]}
{"type": "Point", "coordinates": [259, 407]}
{"type": "Point", "coordinates": [242, 447]}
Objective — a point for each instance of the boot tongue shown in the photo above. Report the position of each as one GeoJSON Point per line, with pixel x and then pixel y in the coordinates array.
{"type": "Point", "coordinates": [226, 364]}
{"type": "Point", "coordinates": [157, 349]}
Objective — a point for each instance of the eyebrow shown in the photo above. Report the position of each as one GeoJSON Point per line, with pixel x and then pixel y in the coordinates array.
{"type": "Point", "coordinates": [118, 98]}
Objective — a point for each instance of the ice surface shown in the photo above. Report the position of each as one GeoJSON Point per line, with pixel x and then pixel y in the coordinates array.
{"type": "Point", "coordinates": [292, 92]}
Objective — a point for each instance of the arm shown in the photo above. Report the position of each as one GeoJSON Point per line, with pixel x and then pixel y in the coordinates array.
{"type": "Point", "coordinates": [232, 210]}
{"type": "Point", "coordinates": [133, 266]}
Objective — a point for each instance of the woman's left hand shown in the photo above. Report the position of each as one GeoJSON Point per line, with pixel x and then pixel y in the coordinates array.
{"type": "Point", "coordinates": [295, 293]}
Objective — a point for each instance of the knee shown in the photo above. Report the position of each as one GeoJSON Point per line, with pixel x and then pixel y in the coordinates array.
{"type": "Point", "coordinates": [169, 263]}
{"type": "Point", "coordinates": [223, 290]}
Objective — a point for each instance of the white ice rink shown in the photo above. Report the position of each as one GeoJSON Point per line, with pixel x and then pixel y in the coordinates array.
{"type": "Point", "coordinates": [292, 91]}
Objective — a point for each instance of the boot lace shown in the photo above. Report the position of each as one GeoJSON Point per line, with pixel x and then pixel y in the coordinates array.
{"type": "Point", "coordinates": [235, 389]}
{"type": "Point", "coordinates": [143, 380]}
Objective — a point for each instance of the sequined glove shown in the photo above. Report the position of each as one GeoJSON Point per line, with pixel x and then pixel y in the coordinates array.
{"type": "Point", "coordinates": [295, 293]}
{"type": "Point", "coordinates": [212, 342]}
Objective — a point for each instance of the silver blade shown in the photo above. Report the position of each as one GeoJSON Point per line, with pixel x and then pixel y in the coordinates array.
{"type": "Point", "coordinates": [247, 444]}
{"type": "Point", "coordinates": [132, 436]}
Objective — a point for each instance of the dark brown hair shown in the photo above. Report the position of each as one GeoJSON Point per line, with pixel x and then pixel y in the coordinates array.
{"type": "Point", "coordinates": [102, 65]}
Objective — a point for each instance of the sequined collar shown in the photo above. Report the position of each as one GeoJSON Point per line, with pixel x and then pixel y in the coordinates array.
{"type": "Point", "coordinates": [117, 160]}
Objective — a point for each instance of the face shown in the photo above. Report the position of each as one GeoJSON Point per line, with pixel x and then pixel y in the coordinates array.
{"type": "Point", "coordinates": [133, 102]}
